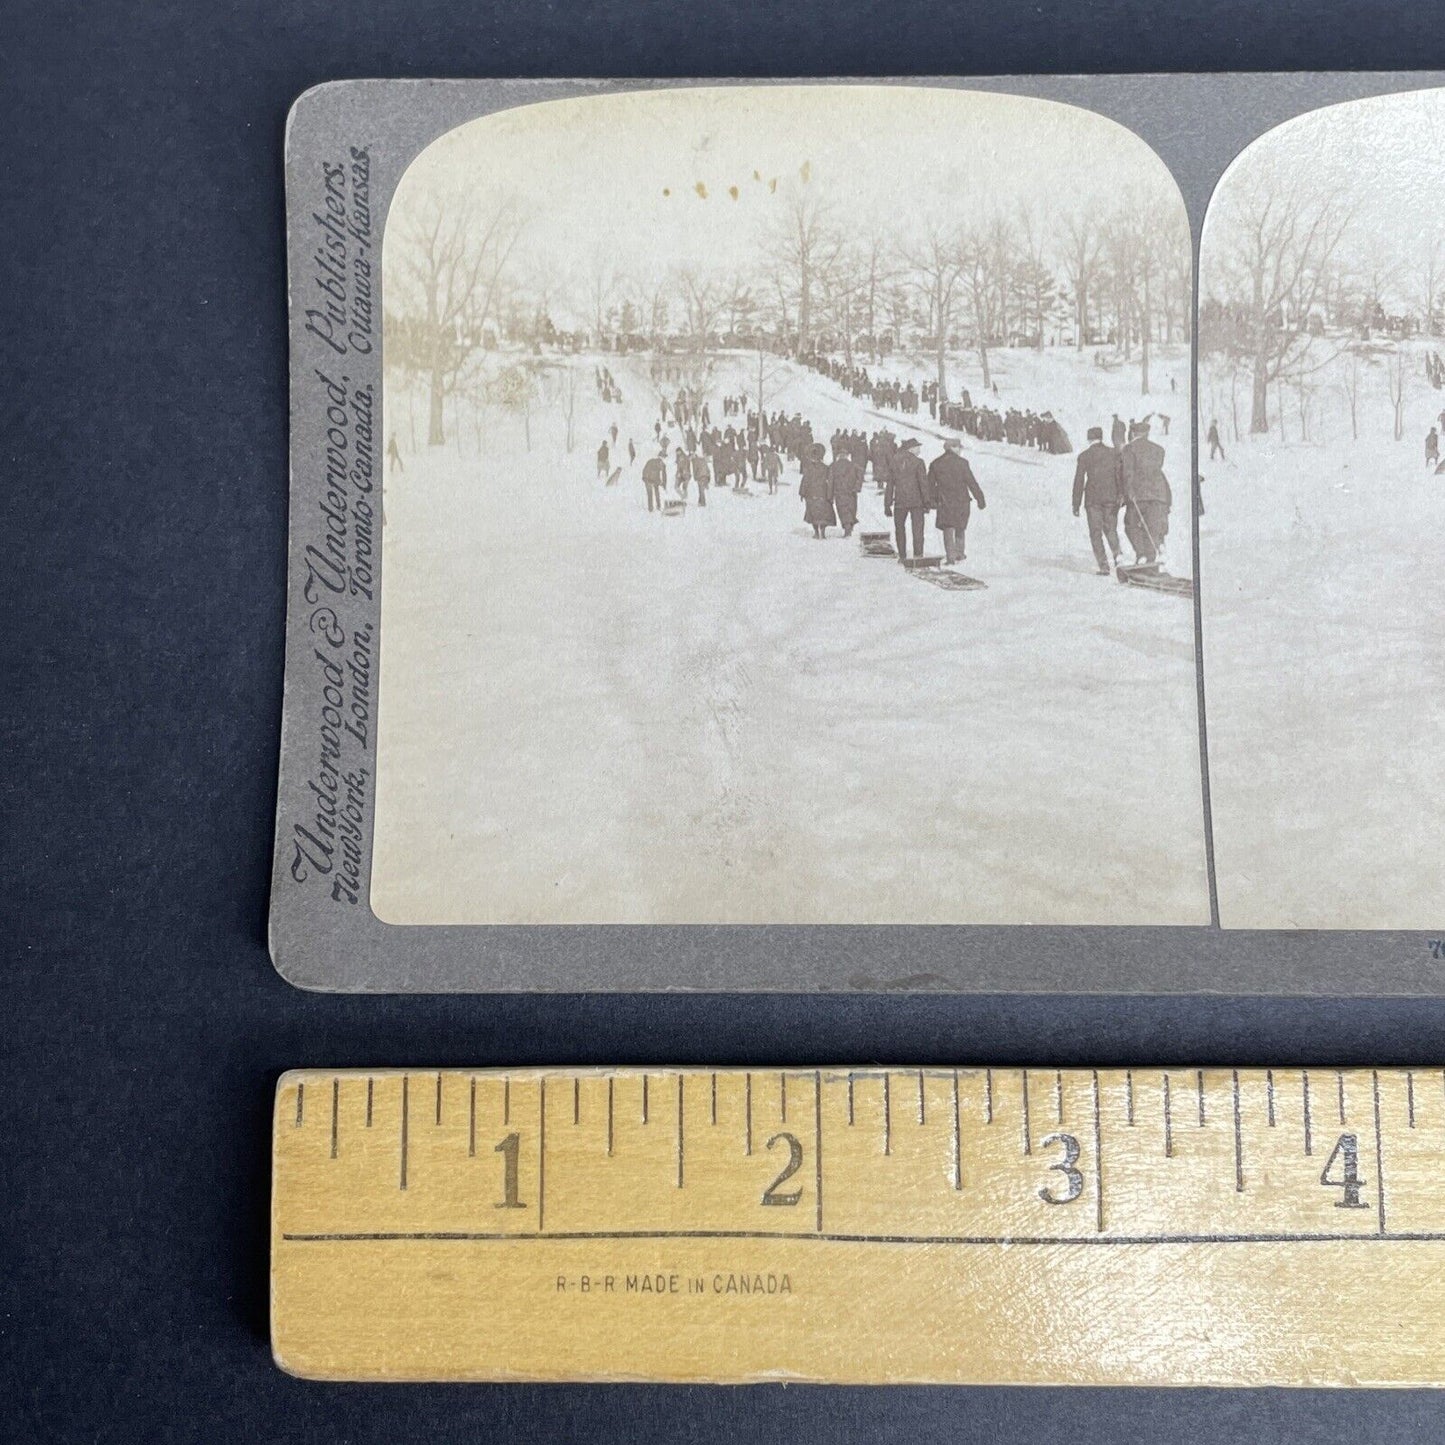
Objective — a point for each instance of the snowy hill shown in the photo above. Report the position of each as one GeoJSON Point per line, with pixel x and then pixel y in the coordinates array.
{"type": "Point", "coordinates": [593, 713]}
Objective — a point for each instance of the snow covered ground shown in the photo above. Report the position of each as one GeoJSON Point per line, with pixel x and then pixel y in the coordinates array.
{"type": "Point", "coordinates": [593, 714]}
{"type": "Point", "coordinates": [1324, 663]}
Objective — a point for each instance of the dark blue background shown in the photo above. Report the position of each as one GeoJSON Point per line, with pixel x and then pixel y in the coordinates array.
{"type": "Point", "coordinates": [142, 398]}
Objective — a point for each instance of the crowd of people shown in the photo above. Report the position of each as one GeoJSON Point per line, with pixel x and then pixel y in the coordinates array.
{"type": "Point", "coordinates": [1121, 478]}
{"type": "Point", "coordinates": [607, 387]}
{"type": "Point", "coordinates": [1016, 427]}
{"type": "Point", "coordinates": [881, 391]}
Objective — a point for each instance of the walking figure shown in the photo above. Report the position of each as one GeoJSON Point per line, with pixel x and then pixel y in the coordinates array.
{"type": "Point", "coordinates": [1096, 489]}
{"type": "Point", "coordinates": [845, 477]}
{"type": "Point", "coordinates": [1147, 497]}
{"type": "Point", "coordinates": [654, 478]}
{"type": "Point", "coordinates": [954, 490]}
{"type": "Point", "coordinates": [906, 498]}
{"type": "Point", "coordinates": [816, 490]}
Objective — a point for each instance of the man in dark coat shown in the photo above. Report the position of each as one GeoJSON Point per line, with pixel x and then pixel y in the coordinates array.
{"type": "Point", "coordinates": [1118, 435]}
{"type": "Point", "coordinates": [681, 472]}
{"type": "Point", "coordinates": [878, 454]}
{"type": "Point", "coordinates": [1096, 489]}
{"type": "Point", "coordinates": [701, 476]}
{"type": "Point", "coordinates": [816, 490]}
{"type": "Point", "coordinates": [654, 478]}
{"type": "Point", "coordinates": [846, 477]}
{"type": "Point", "coordinates": [1146, 494]}
{"type": "Point", "coordinates": [772, 466]}
{"type": "Point", "coordinates": [906, 498]}
{"type": "Point", "coordinates": [954, 490]}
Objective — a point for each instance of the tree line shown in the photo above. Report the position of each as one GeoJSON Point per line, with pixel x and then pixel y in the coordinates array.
{"type": "Point", "coordinates": [1115, 277]}
{"type": "Point", "coordinates": [1294, 295]}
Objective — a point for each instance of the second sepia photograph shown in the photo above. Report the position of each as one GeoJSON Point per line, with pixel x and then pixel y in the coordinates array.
{"type": "Point", "coordinates": [1322, 405]}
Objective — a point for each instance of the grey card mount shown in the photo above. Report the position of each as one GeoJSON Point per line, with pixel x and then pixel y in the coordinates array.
{"type": "Point", "coordinates": [590, 685]}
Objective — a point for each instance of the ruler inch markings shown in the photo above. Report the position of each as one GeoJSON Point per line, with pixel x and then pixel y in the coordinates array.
{"type": "Point", "coordinates": [957, 1137]}
{"type": "Point", "coordinates": [1238, 1136]}
{"type": "Point", "coordinates": [1379, 1147]}
{"type": "Point", "coordinates": [326, 1219]}
{"type": "Point", "coordinates": [405, 1104]}
{"type": "Point", "coordinates": [1098, 1155]}
{"type": "Point", "coordinates": [818, 1146]}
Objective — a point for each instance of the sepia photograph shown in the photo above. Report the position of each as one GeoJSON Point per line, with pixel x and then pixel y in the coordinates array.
{"type": "Point", "coordinates": [787, 516]}
{"type": "Point", "coordinates": [1322, 405]}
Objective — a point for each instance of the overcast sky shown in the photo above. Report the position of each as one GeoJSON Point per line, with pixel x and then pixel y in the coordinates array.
{"type": "Point", "coordinates": [695, 176]}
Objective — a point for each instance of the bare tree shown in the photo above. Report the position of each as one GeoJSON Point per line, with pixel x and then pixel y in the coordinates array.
{"type": "Point", "coordinates": [1370, 285]}
{"type": "Point", "coordinates": [1432, 271]}
{"type": "Point", "coordinates": [1145, 243]}
{"type": "Point", "coordinates": [703, 299]}
{"type": "Point", "coordinates": [782, 316]}
{"type": "Point", "coordinates": [603, 282]}
{"type": "Point", "coordinates": [1002, 259]}
{"type": "Point", "coordinates": [878, 271]}
{"type": "Point", "coordinates": [936, 264]}
{"type": "Point", "coordinates": [1270, 256]}
{"type": "Point", "coordinates": [1395, 376]}
{"type": "Point", "coordinates": [514, 389]}
{"type": "Point", "coordinates": [648, 296]}
{"type": "Point", "coordinates": [452, 262]}
{"type": "Point", "coordinates": [1080, 253]}
{"type": "Point", "coordinates": [741, 304]}
{"type": "Point", "coordinates": [1349, 385]}
{"type": "Point", "coordinates": [899, 310]}
{"type": "Point", "coordinates": [1121, 253]}
{"type": "Point", "coordinates": [804, 242]}
{"type": "Point", "coordinates": [1033, 279]}
{"type": "Point", "coordinates": [844, 282]}
{"type": "Point", "coordinates": [978, 278]}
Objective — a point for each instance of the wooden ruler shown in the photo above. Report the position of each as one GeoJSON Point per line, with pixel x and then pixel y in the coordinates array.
{"type": "Point", "coordinates": [1179, 1226]}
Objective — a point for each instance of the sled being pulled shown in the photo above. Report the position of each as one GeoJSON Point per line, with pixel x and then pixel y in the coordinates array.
{"type": "Point", "coordinates": [931, 569]}
{"type": "Point", "coordinates": [1150, 575]}
{"type": "Point", "coordinates": [674, 507]}
{"type": "Point", "coordinates": [877, 544]}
